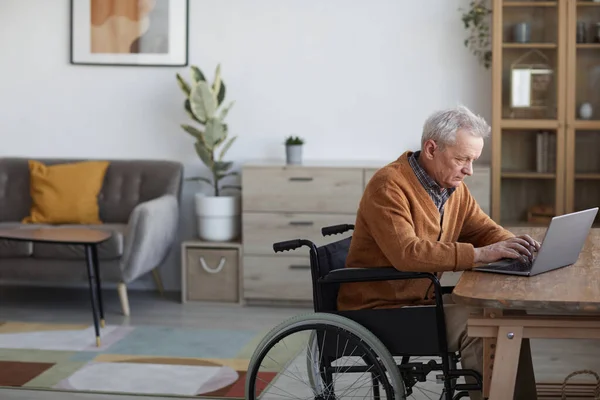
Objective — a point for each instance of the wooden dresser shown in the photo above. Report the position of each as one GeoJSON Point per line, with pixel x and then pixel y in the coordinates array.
{"type": "Point", "coordinates": [283, 202]}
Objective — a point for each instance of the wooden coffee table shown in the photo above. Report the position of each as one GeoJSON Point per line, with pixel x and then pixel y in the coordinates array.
{"type": "Point", "coordinates": [89, 238]}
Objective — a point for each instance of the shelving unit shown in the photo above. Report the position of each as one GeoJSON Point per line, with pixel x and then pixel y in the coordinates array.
{"type": "Point", "coordinates": [544, 152]}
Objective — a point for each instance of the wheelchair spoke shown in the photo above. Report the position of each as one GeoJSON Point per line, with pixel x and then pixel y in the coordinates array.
{"type": "Point", "coordinates": [337, 366]}
{"type": "Point", "coordinates": [425, 392]}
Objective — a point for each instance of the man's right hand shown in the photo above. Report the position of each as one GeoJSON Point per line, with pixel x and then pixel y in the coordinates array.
{"type": "Point", "coordinates": [515, 247]}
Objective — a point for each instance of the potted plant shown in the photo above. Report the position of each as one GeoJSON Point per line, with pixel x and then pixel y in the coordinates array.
{"type": "Point", "coordinates": [476, 20]}
{"type": "Point", "coordinates": [293, 149]}
{"type": "Point", "coordinates": [218, 214]}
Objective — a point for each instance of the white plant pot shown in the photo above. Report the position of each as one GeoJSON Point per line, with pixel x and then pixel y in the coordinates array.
{"type": "Point", "coordinates": [293, 154]}
{"type": "Point", "coordinates": [218, 217]}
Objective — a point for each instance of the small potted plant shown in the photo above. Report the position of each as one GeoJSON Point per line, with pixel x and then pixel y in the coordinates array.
{"type": "Point", "coordinates": [218, 214]}
{"type": "Point", "coordinates": [293, 149]}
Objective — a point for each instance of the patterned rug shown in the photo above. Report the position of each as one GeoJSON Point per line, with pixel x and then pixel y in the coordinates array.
{"type": "Point", "coordinates": [134, 360]}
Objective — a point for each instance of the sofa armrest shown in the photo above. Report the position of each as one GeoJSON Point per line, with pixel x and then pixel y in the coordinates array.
{"type": "Point", "coordinates": [151, 231]}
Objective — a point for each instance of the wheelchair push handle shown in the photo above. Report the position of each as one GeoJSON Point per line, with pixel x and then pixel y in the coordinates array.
{"type": "Point", "coordinates": [291, 245]}
{"type": "Point", "coordinates": [336, 229]}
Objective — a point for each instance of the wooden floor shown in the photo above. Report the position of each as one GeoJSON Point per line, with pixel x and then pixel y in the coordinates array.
{"type": "Point", "coordinates": [553, 359]}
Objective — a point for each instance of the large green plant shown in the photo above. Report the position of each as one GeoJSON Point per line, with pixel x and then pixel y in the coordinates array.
{"type": "Point", "coordinates": [476, 20]}
{"type": "Point", "coordinates": [204, 104]}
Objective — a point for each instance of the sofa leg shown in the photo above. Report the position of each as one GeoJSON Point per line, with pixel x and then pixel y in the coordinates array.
{"type": "Point", "coordinates": [158, 282]}
{"type": "Point", "coordinates": [122, 289]}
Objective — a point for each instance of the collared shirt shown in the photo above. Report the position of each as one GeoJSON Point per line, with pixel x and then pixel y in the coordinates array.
{"type": "Point", "coordinates": [438, 194]}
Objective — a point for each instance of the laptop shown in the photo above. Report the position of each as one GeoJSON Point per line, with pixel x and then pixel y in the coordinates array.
{"type": "Point", "coordinates": [561, 246]}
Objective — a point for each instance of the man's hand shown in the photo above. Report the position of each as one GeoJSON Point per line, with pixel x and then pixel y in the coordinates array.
{"type": "Point", "coordinates": [522, 246]}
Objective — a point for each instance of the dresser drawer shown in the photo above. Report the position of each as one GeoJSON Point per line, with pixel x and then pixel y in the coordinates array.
{"type": "Point", "coordinates": [261, 230]}
{"type": "Point", "coordinates": [277, 278]}
{"type": "Point", "coordinates": [301, 189]}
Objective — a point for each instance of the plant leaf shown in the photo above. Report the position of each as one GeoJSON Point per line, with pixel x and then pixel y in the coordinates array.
{"type": "Point", "coordinates": [221, 93]}
{"type": "Point", "coordinates": [216, 87]}
{"type": "Point", "coordinates": [204, 154]}
{"type": "Point", "coordinates": [225, 110]}
{"type": "Point", "coordinates": [185, 87]}
{"type": "Point", "coordinates": [202, 101]}
{"type": "Point", "coordinates": [197, 75]}
{"type": "Point", "coordinates": [215, 132]}
{"type": "Point", "coordinates": [222, 166]}
{"type": "Point", "coordinates": [226, 147]}
{"type": "Point", "coordinates": [231, 187]}
{"type": "Point", "coordinates": [232, 173]}
{"type": "Point", "coordinates": [188, 109]}
{"type": "Point", "coordinates": [199, 179]}
{"type": "Point", "coordinates": [192, 131]}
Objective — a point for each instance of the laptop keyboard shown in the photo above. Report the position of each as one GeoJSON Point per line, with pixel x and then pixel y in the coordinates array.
{"type": "Point", "coordinates": [516, 265]}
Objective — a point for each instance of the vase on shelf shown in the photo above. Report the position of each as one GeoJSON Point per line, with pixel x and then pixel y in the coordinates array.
{"type": "Point", "coordinates": [585, 111]}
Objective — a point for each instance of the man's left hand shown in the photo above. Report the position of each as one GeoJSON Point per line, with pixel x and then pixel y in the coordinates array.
{"type": "Point", "coordinates": [534, 245]}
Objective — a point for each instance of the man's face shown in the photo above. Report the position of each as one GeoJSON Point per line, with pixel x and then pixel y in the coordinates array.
{"type": "Point", "coordinates": [450, 166]}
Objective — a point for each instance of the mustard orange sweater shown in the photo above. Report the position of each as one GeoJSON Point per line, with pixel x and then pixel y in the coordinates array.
{"type": "Point", "coordinates": [398, 225]}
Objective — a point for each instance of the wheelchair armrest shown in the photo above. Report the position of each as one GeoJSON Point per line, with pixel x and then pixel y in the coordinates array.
{"type": "Point", "coordinates": [345, 275]}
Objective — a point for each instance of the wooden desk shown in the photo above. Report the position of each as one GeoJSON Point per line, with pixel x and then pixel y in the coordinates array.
{"type": "Point", "coordinates": [570, 294]}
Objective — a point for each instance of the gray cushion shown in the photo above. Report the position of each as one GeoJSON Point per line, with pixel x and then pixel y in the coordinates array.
{"type": "Point", "coordinates": [108, 250]}
{"type": "Point", "coordinates": [15, 248]}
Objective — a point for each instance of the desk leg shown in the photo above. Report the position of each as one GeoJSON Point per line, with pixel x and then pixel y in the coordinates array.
{"type": "Point", "coordinates": [489, 350]}
{"type": "Point", "coordinates": [98, 283]}
{"type": "Point", "coordinates": [506, 362]}
{"type": "Point", "coordinates": [89, 258]}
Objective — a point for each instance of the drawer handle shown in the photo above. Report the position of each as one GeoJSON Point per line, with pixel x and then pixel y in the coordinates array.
{"type": "Point", "coordinates": [301, 179]}
{"type": "Point", "coordinates": [301, 223]}
{"type": "Point", "coordinates": [298, 266]}
{"type": "Point", "coordinates": [212, 270]}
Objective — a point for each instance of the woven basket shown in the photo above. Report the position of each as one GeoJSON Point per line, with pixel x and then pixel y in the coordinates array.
{"type": "Point", "coordinates": [582, 372]}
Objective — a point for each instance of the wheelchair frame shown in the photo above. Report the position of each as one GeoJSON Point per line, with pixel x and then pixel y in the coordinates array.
{"type": "Point", "coordinates": [428, 340]}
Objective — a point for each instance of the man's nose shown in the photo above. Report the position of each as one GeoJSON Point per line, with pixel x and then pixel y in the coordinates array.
{"type": "Point", "coordinates": [468, 169]}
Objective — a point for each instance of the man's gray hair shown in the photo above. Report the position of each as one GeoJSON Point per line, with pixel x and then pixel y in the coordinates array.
{"type": "Point", "coordinates": [442, 126]}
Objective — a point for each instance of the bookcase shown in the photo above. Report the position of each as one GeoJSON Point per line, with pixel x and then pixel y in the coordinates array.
{"type": "Point", "coordinates": [545, 109]}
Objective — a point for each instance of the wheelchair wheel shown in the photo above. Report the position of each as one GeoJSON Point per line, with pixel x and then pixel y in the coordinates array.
{"type": "Point", "coordinates": [332, 357]}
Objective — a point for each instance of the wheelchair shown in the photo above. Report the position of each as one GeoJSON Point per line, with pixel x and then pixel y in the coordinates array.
{"type": "Point", "coordinates": [343, 344]}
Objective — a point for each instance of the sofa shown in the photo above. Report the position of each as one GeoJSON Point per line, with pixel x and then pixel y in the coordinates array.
{"type": "Point", "coordinates": [138, 204]}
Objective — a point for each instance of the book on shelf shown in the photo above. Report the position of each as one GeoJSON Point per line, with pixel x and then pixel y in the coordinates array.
{"type": "Point", "coordinates": [545, 152]}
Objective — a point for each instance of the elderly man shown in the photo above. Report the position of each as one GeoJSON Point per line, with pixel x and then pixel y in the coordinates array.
{"type": "Point", "coordinates": [417, 215]}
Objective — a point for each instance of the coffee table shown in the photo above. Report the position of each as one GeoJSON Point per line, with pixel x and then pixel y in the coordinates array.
{"type": "Point", "coordinates": [89, 238]}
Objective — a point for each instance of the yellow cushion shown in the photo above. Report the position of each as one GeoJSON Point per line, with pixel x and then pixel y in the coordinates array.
{"type": "Point", "coordinates": [66, 193]}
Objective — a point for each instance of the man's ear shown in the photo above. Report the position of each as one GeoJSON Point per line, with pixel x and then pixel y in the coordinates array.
{"type": "Point", "coordinates": [429, 148]}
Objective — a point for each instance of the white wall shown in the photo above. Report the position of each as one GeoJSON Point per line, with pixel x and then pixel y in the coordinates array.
{"type": "Point", "coordinates": [356, 78]}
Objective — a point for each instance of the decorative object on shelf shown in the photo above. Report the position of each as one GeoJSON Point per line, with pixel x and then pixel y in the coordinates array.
{"type": "Point", "coordinates": [522, 32]}
{"type": "Point", "coordinates": [597, 35]}
{"type": "Point", "coordinates": [531, 83]}
{"type": "Point", "coordinates": [580, 35]}
{"type": "Point", "coordinates": [293, 150]}
{"type": "Point", "coordinates": [540, 214]}
{"type": "Point", "coordinates": [586, 111]}
{"type": "Point", "coordinates": [218, 215]}
{"type": "Point", "coordinates": [129, 32]}
{"type": "Point", "coordinates": [476, 20]}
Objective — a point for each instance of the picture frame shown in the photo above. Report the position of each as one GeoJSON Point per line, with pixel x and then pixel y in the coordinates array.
{"type": "Point", "coordinates": [107, 32]}
{"type": "Point", "coordinates": [531, 83]}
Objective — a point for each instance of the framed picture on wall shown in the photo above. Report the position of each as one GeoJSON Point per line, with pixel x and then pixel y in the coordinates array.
{"type": "Point", "coordinates": [130, 32]}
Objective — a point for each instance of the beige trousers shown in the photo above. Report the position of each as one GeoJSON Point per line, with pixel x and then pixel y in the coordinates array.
{"type": "Point", "coordinates": [471, 351]}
